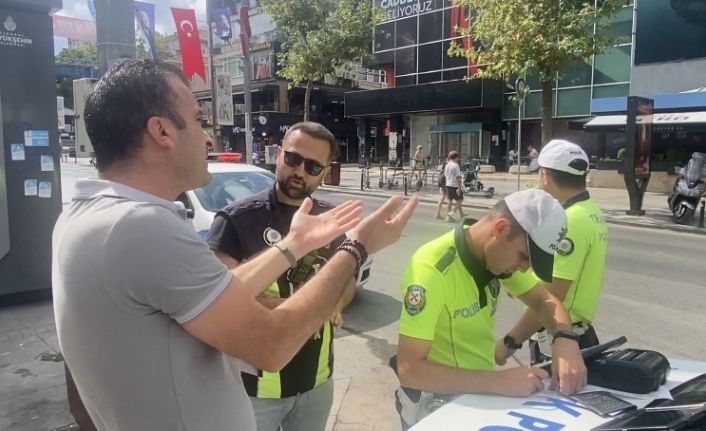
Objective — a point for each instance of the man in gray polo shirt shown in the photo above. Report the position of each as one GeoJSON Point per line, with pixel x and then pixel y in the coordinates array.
{"type": "Point", "coordinates": [149, 321]}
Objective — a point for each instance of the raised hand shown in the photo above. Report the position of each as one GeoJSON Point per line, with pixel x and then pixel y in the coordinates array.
{"type": "Point", "coordinates": [309, 232]}
{"type": "Point", "coordinates": [380, 228]}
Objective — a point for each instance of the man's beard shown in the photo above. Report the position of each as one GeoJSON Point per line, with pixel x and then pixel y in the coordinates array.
{"type": "Point", "coordinates": [292, 193]}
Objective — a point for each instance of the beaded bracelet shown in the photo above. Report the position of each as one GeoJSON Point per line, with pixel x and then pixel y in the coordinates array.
{"type": "Point", "coordinates": [357, 249]}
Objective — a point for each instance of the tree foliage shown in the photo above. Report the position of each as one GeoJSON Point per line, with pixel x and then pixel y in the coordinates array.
{"type": "Point", "coordinates": [320, 36]}
{"type": "Point", "coordinates": [539, 38]}
{"type": "Point", "coordinates": [164, 50]}
{"type": "Point", "coordinates": [81, 55]}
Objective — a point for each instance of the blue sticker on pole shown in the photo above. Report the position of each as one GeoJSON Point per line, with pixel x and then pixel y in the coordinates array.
{"type": "Point", "coordinates": [36, 138]}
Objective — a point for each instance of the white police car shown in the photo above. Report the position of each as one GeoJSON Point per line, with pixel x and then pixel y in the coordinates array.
{"type": "Point", "coordinates": [230, 182]}
{"type": "Point", "coordinates": [552, 412]}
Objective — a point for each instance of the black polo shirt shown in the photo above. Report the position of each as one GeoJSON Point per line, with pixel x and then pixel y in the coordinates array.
{"type": "Point", "coordinates": [246, 228]}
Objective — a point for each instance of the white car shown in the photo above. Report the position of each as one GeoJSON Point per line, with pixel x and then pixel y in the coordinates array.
{"type": "Point", "coordinates": [230, 182]}
{"type": "Point", "coordinates": [549, 411]}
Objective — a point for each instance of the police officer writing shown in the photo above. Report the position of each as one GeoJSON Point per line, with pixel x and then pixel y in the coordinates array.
{"type": "Point", "coordinates": [579, 263]}
{"type": "Point", "coordinates": [451, 290]}
{"type": "Point", "coordinates": [299, 396]}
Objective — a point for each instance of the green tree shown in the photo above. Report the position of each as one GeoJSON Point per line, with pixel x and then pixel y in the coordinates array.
{"type": "Point", "coordinates": [81, 55]}
{"type": "Point", "coordinates": [539, 38]}
{"type": "Point", "coordinates": [84, 55]}
{"type": "Point", "coordinates": [320, 37]}
{"type": "Point", "coordinates": [164, 50]}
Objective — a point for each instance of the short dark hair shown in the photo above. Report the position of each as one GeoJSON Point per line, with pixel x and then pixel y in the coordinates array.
{"type": "Point", "coordinates": [315, 130]}
{"type": "Point", "coordinates": [122, 101]}
{"type": "Point", "coordinates": [500, 209]}
{"type": "Point", "coordinates": [453, 155]}
{"type": "Point", "coordinates": [566, 180]}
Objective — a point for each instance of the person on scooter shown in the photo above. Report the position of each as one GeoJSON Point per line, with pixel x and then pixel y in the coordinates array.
{"type": "Point", "coordinates": [579, 263]}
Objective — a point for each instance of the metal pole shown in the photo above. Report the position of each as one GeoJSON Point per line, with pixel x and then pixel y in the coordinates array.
{"type": "Point", "coordinates": [212, 76]}
{"type": "Point", "coordinates": [520, 88]}
{"type": "Point", "coordinates": [519, 140]}
{"type": "Point", "coordinates": [115, 32]}
{"type": "Point", "coordinates": [247, 66]}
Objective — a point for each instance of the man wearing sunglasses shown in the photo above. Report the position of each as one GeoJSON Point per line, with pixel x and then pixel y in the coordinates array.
{"type": "Point", "coordinates": [299, 397]}
{"type": "Point", "coordinates": [451, 289]}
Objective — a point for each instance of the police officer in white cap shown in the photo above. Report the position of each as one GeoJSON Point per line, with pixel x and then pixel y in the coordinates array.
{"type": "Point", "coordinates": [451, 289]}
{"type": "Point", "coordinates": [579, 263]}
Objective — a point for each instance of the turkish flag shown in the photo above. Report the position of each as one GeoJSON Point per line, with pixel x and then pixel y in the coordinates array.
{"type": "Point", "coordinates": [189, 42]}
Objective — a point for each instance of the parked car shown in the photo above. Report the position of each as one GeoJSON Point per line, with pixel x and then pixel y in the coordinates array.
{"type": "Point", "coordinates": [225, 157]}
{"type": "Point", "coordinates": [230, 182]}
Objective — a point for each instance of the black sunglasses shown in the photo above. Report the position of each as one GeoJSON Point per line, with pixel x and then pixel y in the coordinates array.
{"type": "Point", "coordinates": [312, 167]}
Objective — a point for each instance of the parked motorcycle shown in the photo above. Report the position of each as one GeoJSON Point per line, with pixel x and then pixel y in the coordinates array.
{"type": "Point", "coordinates": [688, 189]}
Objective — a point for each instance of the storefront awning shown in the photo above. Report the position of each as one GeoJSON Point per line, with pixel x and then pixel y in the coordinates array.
{"type": "Point", "coordinates": [681, 118]}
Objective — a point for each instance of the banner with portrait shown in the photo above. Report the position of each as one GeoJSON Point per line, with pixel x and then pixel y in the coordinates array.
{"type": "Point", "coordinates": [224, 100]}
{"type": "Point", "coordinates": [221, 26]}
{"type": "Point", "coordinates": [262, 65]}
{"type": "Point", "coordinates": [144, 22]}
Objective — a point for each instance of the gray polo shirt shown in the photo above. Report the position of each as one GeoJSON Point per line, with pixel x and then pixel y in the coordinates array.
{"type": "Point", "coordinates": [128, 271]}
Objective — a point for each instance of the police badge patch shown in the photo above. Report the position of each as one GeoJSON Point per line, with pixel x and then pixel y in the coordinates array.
{"type": "Point", "coordinates": [566, 247]}
{"type": "Point", "coordinates": [271, 236]}
{"type": "Point", "coordinates": [415, 299]}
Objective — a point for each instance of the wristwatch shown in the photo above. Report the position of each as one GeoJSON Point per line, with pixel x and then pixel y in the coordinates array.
{"type": "Point", "coordinates": [287, 253]}
{"type": "Point", "coordinates": [510, 343]}
{"type": "Point", "coordinates": [563, 333]}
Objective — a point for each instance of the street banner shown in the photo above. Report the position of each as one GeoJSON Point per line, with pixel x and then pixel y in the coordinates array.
{"type": "Point", "coordinates": [189, 42]}
{"type": "Point", "coordinates": [92, 8]}
{"type": "Point", "coordinates": [60, 112]}
{"type": "Point", "coordinates": [245, 31]}
{"type": "Point", "coordinates": [642, 135]}
{"type": "Point", "coordinates": [221, 26]}
{"type": "Point", "coordinates": [144, 22]}
{"type": "Point", "coordinates": [74, 28]}
{"type": "Point", "coordinates": [224, 100]}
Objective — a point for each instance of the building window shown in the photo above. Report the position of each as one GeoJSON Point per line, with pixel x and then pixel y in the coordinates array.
{"type": "Point", "coordinates": [510, 107]}
{"type": "Point", "coordinates": [574, 101]}
{"type": "Point", "coordinates": [429, 77]}
{"type": "Point", "coordinates": [576, 75]}
{"type": "Point", "coordinates": [430, 56]}
{"type": "Point", "coordinates": [453, 62]}
{"type": "Point", "coordinates": [613, 65]}
{"type": "Point", "coordinates": [621, 29]}
{"type": "Point", "coordinates": [405, 80]}
{"type": "Point", "coordinates": [430, 26]}
{"type": "Point", "coordinates": [452, 75]}
{"type": "Point", "coordinates": [385, 36]}
{"type": "Point", "coordinates": [603, 91]}
{"type": "Point", "coordinates": [406, 32]}
{"type": "Point", "coordinates": [533, 105]}
{"type": "Point", "coordinates": [406, 61]}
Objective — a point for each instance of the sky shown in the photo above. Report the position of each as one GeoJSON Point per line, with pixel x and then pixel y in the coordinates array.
{"type": "Point", "coordinates": [164, 20]}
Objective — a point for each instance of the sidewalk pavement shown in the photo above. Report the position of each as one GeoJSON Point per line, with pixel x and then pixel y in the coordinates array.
{"type": "Point", "coordinates": [613, 202]}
